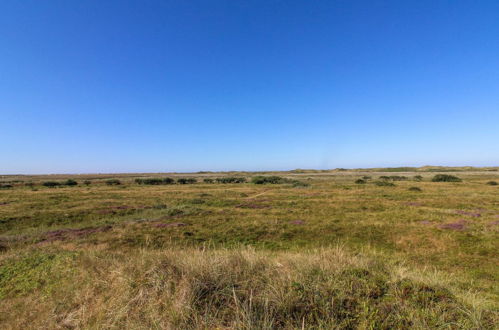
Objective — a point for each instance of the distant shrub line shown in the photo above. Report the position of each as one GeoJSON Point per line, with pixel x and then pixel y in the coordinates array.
{"type": "Point", "coordinates": [113, 182]}
{"type": "Point", "coordinates": [69, 182]}
{"type": "Point", "coordinates": [394, 178]}
{"type": "Point", "coordinates": [268, 179]}
{"type": "Point", "coordinates": [155, 181]}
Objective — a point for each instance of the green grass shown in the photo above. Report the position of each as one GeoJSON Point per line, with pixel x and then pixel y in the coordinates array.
{"type": "Point", "coordinates": [325, 253]}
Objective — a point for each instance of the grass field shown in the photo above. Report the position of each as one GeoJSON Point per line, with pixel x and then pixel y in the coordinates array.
{"type": "Point", "coordinates": [317, 250]}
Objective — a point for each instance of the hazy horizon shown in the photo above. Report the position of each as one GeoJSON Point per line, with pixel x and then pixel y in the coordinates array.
{"type": "Point", "coordinates": [249, 171]}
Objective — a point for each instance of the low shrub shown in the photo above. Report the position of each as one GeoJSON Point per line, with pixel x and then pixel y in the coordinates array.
{"type": "Point", "coordinates": [299, 184]}
{"type": "Point", "coordinates": [113, 182]}
{"type": "Point", "coordinates": [208, 180]}
{"type": "Point", "coordinates": [445, 178]}
{"type": "Point", "coordinates": [399, 178]}
{"type": "Point", "coordinates": [70, 182]}
{"type": "Point", "coordinates": [155, 181]}
{"type": "Point", "coordinates": [418, 178]}
{"type": "Point", "coordinates": [51, 184]}
{"type": "Point", "coordinates": [168, 181]}
{"type": "Point", "coordinates": [231, 180]}
{"type": "Point", "coordinates": [360, 181]}
{"type": "Point", "coordinates": [366, 177]}
{"type": "Point", "coordinates": [415, 189]}
{"type": "Point", "coordinates": [5, 186]}
{"type": "Point", "coordinates": [492, 183]}
{"type": "Point", "coordinates": [268, 179]}
{"type": "Point", "coordinates": [186, 180]}
{"type": "Point", "coordinates": [87, 182]}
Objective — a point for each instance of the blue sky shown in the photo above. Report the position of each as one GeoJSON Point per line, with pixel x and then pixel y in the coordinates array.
{"type": "Point", "coordinates": [148, 86]}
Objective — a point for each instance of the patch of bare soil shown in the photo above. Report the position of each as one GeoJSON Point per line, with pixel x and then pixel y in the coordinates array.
{"type": "Point", "coordinates": [469, 214]}
{"type": "Point", "coordinates": [458, 225]}
{"type": "Point", "coordinates": [426, 222]}
{"type": "Point", "coordinates": [413, 204]}
{"type": "Point", "coordinates": [69, 233]}
{"type": "Point", "coordinates": [297, 222]}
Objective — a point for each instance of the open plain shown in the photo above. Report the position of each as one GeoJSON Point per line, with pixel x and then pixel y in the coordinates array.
{"type": "Point", "coordinates": [379, 248]}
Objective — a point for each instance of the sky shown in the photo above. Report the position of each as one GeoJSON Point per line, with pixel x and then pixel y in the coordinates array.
{"type": "Point", "coordinates": [160, 86]}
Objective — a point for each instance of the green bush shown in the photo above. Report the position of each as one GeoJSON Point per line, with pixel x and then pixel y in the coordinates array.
{"type": "Point", "coordinates": [168, 181]}
{"type": "Point", "coordinates": [418, 178]}
{"type": "Point", "coordinates": [231, 180]}
{"type": "Point", "coordinates": [492, 183]}
{"type": "Point", "coordinates": [155, 181]}
{"type": "Point", "coordinates": [70, 182]}
{"type": "Point", "coordinates": [5, 186]}
{"type": "Point", "coordinates": [360, 181]}
{"type": "Point", "coordinates": [186, 180]}
{"type": "Point", "coordinates": [268, 179]}
{"type": "Point", "coordinates": [113, 182]}
{"type": "Point", "coordinates": [299, 184]}
{"type": "Point", "coordinates": [398, 178]}
{"type": "Point", "coordinates": [51, 184]}
{"type": "Point", "coordinates": [445, 178]}
{"type": "Point", "coordinates": [208, 180]}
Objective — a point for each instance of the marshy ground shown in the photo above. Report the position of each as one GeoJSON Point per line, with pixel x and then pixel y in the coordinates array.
{"type": "Point", "coordinates": [319, 249]}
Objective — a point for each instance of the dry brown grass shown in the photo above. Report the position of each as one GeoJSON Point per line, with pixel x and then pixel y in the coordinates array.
{"type": "Point", "coordinates": [241, 289]}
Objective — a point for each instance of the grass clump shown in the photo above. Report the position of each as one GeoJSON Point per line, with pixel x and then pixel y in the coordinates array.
{"type": "Point", "coordinates": [445, 178]}
{"type": "Point", "coordinates": [299, 184]}
{"type": "Point", "coordinates": [416, 189]}
{"type": "Point", "coordinates": [492, 183]}
{"type": "Point", "coordinates": [384, 183]}
{"type": "Point", "coordinates": [360, 181]}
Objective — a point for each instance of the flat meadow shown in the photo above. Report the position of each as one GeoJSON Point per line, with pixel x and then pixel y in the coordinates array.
{"type": "Point", "coordinates": [378, 248]}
